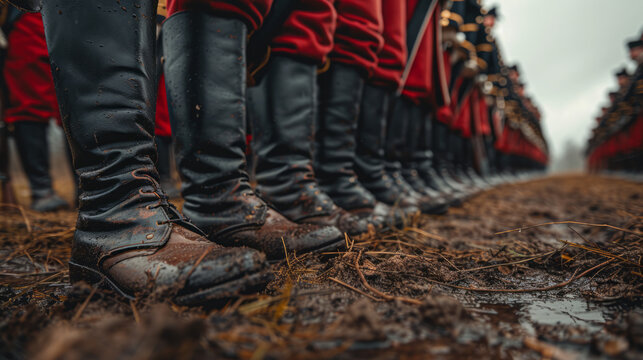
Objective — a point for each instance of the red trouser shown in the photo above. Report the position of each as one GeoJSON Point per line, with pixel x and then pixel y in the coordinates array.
{"type": "Point", "coordinates": [162, 120]}
{"type": "Point", "coordinates": [252, 12]}
{"type": "Point", "coordinates": [32, 96]}
{"type": "Point", "coordinates": [392, 58]}
{"type": "Point", "coordinates": [358, 37]}
{"type": "Point", "coordinates": [308, 31]}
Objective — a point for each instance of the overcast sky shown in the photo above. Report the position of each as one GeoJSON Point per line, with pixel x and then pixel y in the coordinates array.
{"type": "Point", "coordinates": [568, 51]}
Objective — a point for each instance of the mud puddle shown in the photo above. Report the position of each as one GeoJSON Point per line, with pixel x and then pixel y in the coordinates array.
{"type": "Point", "coordinates": [554, 311]}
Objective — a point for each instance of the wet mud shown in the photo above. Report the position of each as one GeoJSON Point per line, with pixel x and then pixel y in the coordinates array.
{"type": "Point", "coordinates": [485, 281]}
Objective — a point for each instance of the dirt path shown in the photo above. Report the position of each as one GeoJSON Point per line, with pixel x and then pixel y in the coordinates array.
{"type": "Point", "coordinates": [444, 287]}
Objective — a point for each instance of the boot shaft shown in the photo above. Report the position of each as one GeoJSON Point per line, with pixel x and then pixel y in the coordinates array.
{"type": "Point", "coordinates": [341, 89]}
{"type": "Point", "coordinates": [98, 96]}
{"type": "Point", "coordinates": [205, 72]}
{"type": "Point", "coordinates": [283, 109]}
{"type": "Point", "coordinates": [105, 84]}
{"type": "Point", "coordinates": [372, 123]}
{"type": "Point", "coordinates": [340, 100]}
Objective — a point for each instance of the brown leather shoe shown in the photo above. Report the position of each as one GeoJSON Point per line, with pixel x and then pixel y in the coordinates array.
{"type": "Point", "coordinates": [189, 268]}
{"type": "Point", "coordinates": [264, 229]}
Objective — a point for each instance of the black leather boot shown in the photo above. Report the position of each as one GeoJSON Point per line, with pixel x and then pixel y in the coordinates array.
{"type": "Point", "coordinates": [418, 156]}
{"type": "Point", "coordinates": [369, 159]}
{"type": "Point", "coordinates": [399, 154]}
{"type": "Point", "coordinates": [283, 110]}
{"type": "Point", "coordinates": [492, 175]}
{"type": "Point", "coordinates": [128, 237]}
{"type": "Point", "coordinates": [205, 72]}
{"type": "Point", "coordinates": [443, 159]}
{"type": "Point", "coordinates": [340, 100]}
{"type": "Point", "coordinates": [33, 149]}
{"type": "Point", "coordinates": [459, 169]}
{"type": "Point", "coordinates": [440, 148]}
{"type": "Point", "coordinates": [425, 165]}
{"type": "Point", "coordinates": [467, 165]}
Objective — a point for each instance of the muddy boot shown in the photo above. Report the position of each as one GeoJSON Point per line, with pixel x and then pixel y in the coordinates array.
{"type": "Point", "coordinates": [128, 237]}
{"type": "Point", "coordinates": [205, 72]}
{"type": "Point", "coordinates": [163, 149]}
{"type": "Point", "coordinates": [468, 166]}
{"type": "Point", "coordinates": [416, 155]}
{"type": "Point", "coordinates": [442, 161]}
{"type": "Point", "coordinates": [456, 164]}
{"type": "Point", "coordinates": [341, 95]}
{"type": "Point", "coordinates": [425, 168]}
{"type": "Point", "coordinates": [283, 110]}
{"type": "Point", "coordinates": [32, 145]}
{"type": "Point", "coordinates": [399, 155]}
{"type": "Point", "coordinates": [369, 160]}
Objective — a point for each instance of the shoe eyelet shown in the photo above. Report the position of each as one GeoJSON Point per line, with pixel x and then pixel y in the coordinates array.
{"type": "Point", "coordinates": [142, 192]}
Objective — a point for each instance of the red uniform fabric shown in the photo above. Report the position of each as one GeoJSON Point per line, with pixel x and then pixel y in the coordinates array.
{"type": "Point", "coordinates": [27, 73]}
{"type": "Point", "coordinates": [462, 120]}
{"type": "Point", "coordinates": [482, 114]}
{"type": "Point", "coordinates": [503, 144]}
{"type": "Point", "coordinates": [308, 31]}
{"type": "Point", "coordinates": [392, 58]}
{"type": "Point", "coordinates": [419, 82]}
{"type": "Point", "coordinates": [635, 135]}
{"type": "Point", "coordinates": [427, 79]}
{"type": "Point", "coordinates": [252, 12]}
{"type": "Point", "coordinates": [444, 114]}
{"type": "Point", "coordinates": [358, 36]}
{"type": "Point", "coordinates": [162, 120]}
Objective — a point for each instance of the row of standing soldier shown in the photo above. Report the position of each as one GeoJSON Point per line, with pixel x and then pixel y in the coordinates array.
{"type": "Point", "coordinates": [616, 144]}
{"type": "Point", "coordinates": [362, 114]}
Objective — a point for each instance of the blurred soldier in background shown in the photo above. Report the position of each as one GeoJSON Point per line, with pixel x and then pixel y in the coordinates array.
{"type": "Point", "coordinates": [616, 145]}
{"type": "Point", "coordinates": [31, 104]}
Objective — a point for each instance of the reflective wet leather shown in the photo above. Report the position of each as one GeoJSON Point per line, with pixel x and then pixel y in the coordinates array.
{"type": "Point", "coordinates": [401, 142]}
{"type": "Point", "coordinates": [341, 92]}
{"type": "Point", "coordinates": [369, 159]}
{"type": "Point", "coordinates": [105, 86]}
{"type": "Point", "coordinates": [205, 74]}
{"type": "Point", "coordinates": [283, 110]}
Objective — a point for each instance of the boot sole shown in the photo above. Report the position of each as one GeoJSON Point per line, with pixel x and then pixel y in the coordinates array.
{"type": "Point", "coordinates": [247, 284]}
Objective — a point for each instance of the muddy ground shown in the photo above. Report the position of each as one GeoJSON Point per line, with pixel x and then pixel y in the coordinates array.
{"type": "Point", "coordinates": [446, 287]}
